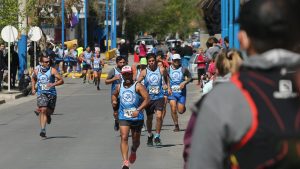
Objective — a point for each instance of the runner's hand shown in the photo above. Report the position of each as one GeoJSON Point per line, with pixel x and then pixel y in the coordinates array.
{"type": "Point", "coordinates": [115, 115]}
{"type": "Point", "coordinates": [50, 85]}
{"type": "Point", "coordinates": [182, 85]}
{"type": "Point", "coordinates": [169, 91]}
{"type": "Point", "coordinates": [33, 92]}
{"type": "Point", "coordinates": [135, 113]}
{"type": "Point", "coordinates": [117, 77]}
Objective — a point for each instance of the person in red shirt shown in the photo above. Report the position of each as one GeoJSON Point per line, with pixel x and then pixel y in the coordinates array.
{"type": "Point", "coordinates": [200, 65]}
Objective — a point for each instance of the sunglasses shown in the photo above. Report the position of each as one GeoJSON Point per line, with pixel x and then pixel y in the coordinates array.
{"type": "Point", "coordinates": [46, 61]}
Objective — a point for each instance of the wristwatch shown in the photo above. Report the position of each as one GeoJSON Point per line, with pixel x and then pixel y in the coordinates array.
{"type": "Point", "coordinates": [138, 109]}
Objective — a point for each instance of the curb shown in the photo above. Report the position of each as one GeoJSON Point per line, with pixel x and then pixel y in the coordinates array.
{"type": "Point", "coordinates": [78, 75]}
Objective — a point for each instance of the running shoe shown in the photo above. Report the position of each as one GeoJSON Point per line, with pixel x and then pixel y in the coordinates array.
{"type": "Point", "coordinates": [157, 141]}
{"type": "Point", "coordinates": [43, 134]}
{"type": "Point", "coordinates": [150, 141]}
{"type": "Point", "coordinates": [125, 165]}
{"type": "Point", "coordinates": [132, 157]}
{"type": "Point", "coordinates": [116, 126]}
{"type": "Point", "coordinates": [49, 119]}
{"type": "Point", "coordinates": [98, 88]}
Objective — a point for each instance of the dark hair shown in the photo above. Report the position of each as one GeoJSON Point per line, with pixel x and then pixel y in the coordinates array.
{"type": "Point", "coordinates": [151, 55]}
{"type": "Point", "coordinates": [42, 57]}
{"type": "Point", "coordinates": [226, 39]}
{"type": "Point", "coordinates": [119, 58]}
{"type": "Point", "coordinates": [271, 24]}
{"type": "Point", "coordinates": [210, 42]}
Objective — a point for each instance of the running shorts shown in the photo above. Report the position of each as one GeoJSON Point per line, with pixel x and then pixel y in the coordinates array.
{"type": "Point", "coordinates": [179, 98]}
{"type": "Point", "coordinates": [155, 105]}
{"type": "Point", "coordinates": [46, 100]}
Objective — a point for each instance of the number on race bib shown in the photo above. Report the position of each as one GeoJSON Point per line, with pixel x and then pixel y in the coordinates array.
{"type": "Point", "coordinates": [176, 88]}
{"type": "Point", "coordinates": [154, 90]}
{"type": "Point", "coordinates": [129, 112]}
{"type": "Point", "coordinates": [44, 87]}
{"type": "Point", "coordinates": [96, 66]}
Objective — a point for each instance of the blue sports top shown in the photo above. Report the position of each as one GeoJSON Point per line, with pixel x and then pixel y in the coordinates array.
{"type": "Point", "coordinates": [153, 83]}
{"type": "Point", "coordinates": [96, 63]}
{"type": "Point", "coordinates": [44, 77]}
{"type": "Point", "coordinates": [130, 100]}
{"type": "Point", "coordinates": [176, 77]}
{"type": "Point", "coordinates": [87, 57]}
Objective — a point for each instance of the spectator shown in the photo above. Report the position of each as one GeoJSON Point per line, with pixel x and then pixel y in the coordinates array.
{"type": "Point", "coordinates": [187, 54]}
{"type": "Point", "coordinates": [143, 49]}
{"type": "Point", "coordinates": [124, 50]}
{"type": "Point", "coordinates": [250, 122]}
{"type": "Point", "coordinates": [31, 54]}
{"type": "Point", "coordinates": [200, 65]}
{"type": "Point", "coordinates": [14, 65]}
{"type": "Point", "coordinates": [3, 64]}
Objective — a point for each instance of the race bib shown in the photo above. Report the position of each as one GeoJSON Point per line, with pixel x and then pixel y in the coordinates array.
{"type": "Point", "coordinates": [96, 66]}
{"type": "Point", "coordinates": [44, 87]}
{"type": "Point", "coordinates": [129, 112]}
{"type": "Point", "coordinates": [154, 90]}
{"type": "Point", "coordinates": [176, 88]}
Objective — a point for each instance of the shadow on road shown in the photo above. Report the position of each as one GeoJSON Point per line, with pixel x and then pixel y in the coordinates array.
{"type": "Point", "coordinates": [54, 137]}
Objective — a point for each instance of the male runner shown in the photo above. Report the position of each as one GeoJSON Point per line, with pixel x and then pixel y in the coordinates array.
{"type": "Point", "coordinates": [128, 100]}
{"type": "Point", "coordinates": [114, 77]}
{"type": "Point", "coordinates": [153, 76]}
{"type": "Point", "coordinates": [86, 62]}
{"type": "Point", "coordinates": [179, 78]}
{"type": "Point", "coordinates": [45, 76]}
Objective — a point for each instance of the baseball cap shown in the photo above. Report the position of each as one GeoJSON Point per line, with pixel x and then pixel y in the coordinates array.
{"type": "Point", "coordinates": [176, 56]}
{"type": "Point", "coordinates": [143, 61]}
{"type": "Point", "coordinates": [126, 69]}
{"type": "Point", "coordinates": [143, 42]}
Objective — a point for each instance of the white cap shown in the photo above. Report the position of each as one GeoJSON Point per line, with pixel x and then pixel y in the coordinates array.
{"type": "Point", "coordinates": [143, 42]}
{"type": "Point", "coordinates": [176, 56]}
{"type": "Point", "coordinates": [122, 41]}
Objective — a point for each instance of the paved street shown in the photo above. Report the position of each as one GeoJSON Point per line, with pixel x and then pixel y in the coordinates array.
{"type": "Point", "coordinates": [81, 135]}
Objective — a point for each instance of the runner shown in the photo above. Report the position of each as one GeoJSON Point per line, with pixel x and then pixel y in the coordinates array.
{"type": "Point", "coordinates": [133, 99]}
{"type": "Point", "coordinates": [114, 77]}
{"type": "Point", "coordinates": [137, 71]}
{"type": "Point", "coordinates": [86, 62]}
{"type": "Point", "coordinates": [162, 62]}
{"type": "Point", "coordinates": [97, 68]}
{"type": "Point", "coordinates": [45, 76]}
{"type": "Point", "coordinates": [153, 76]}
{"type": "Point", "coordinates": [179, 78]}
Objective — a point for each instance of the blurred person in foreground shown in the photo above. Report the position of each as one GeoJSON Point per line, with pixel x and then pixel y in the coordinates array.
{"type": "Point", "coordinates": [253, 121]}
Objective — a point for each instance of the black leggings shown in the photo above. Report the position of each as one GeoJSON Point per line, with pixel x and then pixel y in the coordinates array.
{"type": "Point", "coordinates": [200, 73]}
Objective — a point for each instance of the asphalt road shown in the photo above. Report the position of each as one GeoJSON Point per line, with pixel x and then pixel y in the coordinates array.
{"type": "Point", "coordinates": [81, 134]}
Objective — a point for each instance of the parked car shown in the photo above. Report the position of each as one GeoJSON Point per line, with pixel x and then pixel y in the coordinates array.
{"type": "Point", "coordinates": [171, 43]}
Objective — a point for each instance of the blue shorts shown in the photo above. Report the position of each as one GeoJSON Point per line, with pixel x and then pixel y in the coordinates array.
{"type": "Point", "coordinates": [166, 93]}
{"type": "Point", "coordinates": [179, 98]}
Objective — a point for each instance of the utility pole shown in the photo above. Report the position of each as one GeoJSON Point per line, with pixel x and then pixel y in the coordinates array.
{"type": "Point", "coordinates": [124, 18]}
{"type": "Point", "coordinates": [22, 43]}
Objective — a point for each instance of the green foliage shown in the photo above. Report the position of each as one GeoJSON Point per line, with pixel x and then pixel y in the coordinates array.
{"type": "Point", "coordinates": [174, 16]}
{"type": "Point", "coordinates": [9, 13]}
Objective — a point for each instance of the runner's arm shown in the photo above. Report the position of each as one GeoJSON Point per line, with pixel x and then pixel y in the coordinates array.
{"type": "Point", "coordinates": [59, 80]}
{"type": "Point", "coordinates": [165, 74]}
{"type": "Point", "coordinates": [188, 76]}
{"type": "Point", "coordinates": [110, 77]}
{"type": "Point", "coordinates": [33, 81]}
{"type": "Point", "coordinates": [143, 92]}
{"type": "Point", "coordinates": [114, 101]}
{"type": "Point", "coordinates": [142, 76]}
